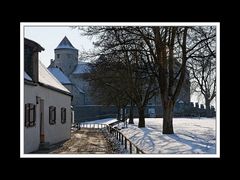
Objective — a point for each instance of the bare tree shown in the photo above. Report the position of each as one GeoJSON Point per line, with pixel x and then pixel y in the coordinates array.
{"type": "Point", "coordinates": [159, 52]}
{"type": "Point", "coordinates": [162, 43]}
{"type": "Point", "coordinates": [169, 49]}
{"type": "Point", "coordinates": [122, 79]}
{"type": "Point", "coordinates": [105, 86]}
{"type": "Point", "coordinates": [202, 66]}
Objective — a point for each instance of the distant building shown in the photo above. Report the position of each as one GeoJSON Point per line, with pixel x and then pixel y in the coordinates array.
{"type": "Point", "coordinates": [47, 112]}
{"type": "Point", "coordinates": [70, 72]}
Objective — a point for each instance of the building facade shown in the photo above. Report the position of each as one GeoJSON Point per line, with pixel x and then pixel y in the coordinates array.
{"type": "Point", "coordinates": [47, 113]}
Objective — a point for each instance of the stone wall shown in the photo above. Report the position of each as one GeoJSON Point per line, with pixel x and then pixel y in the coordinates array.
{"type": "Point", "coordinates": [93, 112]}
{"type": "Point", "coordinates": [66, 59]}
{"type": "Point", "coordinates": [78, 80]}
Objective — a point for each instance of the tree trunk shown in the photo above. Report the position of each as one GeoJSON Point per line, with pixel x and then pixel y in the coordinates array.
{"type": "Point", "coordinates": [167, 117]}
{"type": "Point", "coordinates": [118, 114]}
{"type": "Point", "coordinates": [123, 114]}
{"type": "Point", "coordinates": [131, 114]}
{"type": "Point", "coordinates": [141, 122]}
{"type": "Point", "coordinates": [207, 103]}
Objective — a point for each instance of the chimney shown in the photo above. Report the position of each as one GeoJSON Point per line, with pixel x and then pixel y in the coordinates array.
{"type": "Point", "coordinates": [51, 63]}
{"type": "Point", "coordinates": [35, 66]}
{"type": "Point", "coordinates": [31, 50]}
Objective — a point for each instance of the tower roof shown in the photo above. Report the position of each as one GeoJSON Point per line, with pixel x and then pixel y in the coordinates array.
{"type": "Point", "coordinates": [65, 44]}
{"type": "Point", "coordinates": [82, 68]}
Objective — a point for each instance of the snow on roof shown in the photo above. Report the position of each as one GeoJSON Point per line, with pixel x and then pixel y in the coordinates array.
{"type": "Point", "coordinates": [27, 77]}
{"type": "Point", "coordinates": [65, 44]}
{"type": "Point", "coordinates": [59, 75]}
{"type": "Point", "coordinates": [82, 68]}
{"type": "Point", "coordinates": [48, 78]}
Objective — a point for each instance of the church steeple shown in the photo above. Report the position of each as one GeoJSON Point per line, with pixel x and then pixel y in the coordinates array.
{"type": "Point", "coordinates": [65, 44]}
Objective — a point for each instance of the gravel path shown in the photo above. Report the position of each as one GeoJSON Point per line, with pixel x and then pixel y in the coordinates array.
{"type": "Point", "coordinates": [88, 141]}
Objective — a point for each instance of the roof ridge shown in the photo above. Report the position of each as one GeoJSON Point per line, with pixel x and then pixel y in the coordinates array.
{"type": "Point", "coordinates": [53, 77]}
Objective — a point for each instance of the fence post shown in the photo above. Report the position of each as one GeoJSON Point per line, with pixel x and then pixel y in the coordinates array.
{"type": "Point", "coordinates": [125, 143]}
{"type": "Point", "coordinates": [130, 148]}
{"type": "Point", "coordinates": [122, 139]}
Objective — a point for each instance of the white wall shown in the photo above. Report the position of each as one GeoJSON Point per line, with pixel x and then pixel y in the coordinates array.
{"type": "Point", "coordinates": [53, 133]}
{"type": "Point", "coordinates": [57, 132]}
{"type": "Point", "coordinates": [31, 134]}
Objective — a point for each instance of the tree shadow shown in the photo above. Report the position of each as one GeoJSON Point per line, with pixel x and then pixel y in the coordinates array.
{"type": "Point", "coordinates": [195, 143]}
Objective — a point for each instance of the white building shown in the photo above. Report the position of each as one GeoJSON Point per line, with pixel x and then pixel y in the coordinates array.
{"type": "Point", "coordinates": [47, 112]}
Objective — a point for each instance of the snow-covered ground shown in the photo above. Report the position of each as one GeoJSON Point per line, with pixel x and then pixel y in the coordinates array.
{"type": "Point", "coordinates": [192, 136]}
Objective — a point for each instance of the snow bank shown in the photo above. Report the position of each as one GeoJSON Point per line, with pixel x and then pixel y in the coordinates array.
{"type": "Point", "coordinates": [192, 136]}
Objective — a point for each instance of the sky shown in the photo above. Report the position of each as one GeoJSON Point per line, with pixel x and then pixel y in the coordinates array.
{"type": "Point", "coordinates": [50, 36]}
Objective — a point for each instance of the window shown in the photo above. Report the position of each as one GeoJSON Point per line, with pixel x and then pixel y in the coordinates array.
{"type": "Point", "coordinates": [52, 115]}
{"type": "Point", "coordinates": [58, 56]}
{"type": "Point", "coordinates": [30, 115]}
{"type": "Point", "coordinates": [63, 115]}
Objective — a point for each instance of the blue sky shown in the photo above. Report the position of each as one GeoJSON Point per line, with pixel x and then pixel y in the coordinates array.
{"type": "Point", "coordinates": [50, 36]}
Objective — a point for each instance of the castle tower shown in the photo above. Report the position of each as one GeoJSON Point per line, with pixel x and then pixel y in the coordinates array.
{"type": "Point", "coordinates": [66, 56]}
